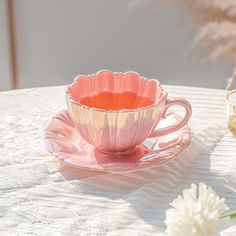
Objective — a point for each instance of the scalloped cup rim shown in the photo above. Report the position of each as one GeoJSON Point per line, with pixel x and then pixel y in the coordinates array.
{"type": "Point", "coordinates": [69, 96]}
{"type": "Point", "coordinates": [115, 73]}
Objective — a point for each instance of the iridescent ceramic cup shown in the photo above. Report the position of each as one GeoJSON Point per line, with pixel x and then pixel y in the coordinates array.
{"type": "Point", "coordinates": [121, 130]}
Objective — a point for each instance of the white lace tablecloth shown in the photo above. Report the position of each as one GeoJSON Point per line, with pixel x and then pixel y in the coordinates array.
{"type": "Point", "coordinates": [39, 196]}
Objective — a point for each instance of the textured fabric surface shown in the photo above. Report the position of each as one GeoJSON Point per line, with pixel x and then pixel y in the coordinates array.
{"type": "Point", "coordinates": [41, 196]}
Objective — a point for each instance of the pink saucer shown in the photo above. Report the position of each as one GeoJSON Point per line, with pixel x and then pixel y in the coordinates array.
{"type": "Point", "coordinates": [62, 139]}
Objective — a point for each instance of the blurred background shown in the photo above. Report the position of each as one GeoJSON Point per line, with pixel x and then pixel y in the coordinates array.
{"type": "Point", "coordinates": [49, 42]}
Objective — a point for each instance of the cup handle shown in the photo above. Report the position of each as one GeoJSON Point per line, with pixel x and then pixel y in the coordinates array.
{"type": "Point", "coordinates": [178, 125]}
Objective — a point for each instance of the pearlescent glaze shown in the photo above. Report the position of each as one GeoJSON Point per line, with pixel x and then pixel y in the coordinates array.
{"type": "Point", "coordinates": [61, 138]}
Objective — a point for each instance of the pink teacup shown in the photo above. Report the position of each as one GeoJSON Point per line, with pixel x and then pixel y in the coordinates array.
{"type": "Point", "coordinates": [116, 112]}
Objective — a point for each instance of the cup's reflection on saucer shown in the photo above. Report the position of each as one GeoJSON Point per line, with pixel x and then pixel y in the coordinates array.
{"type": "Point", "coordinates": [132, 155]}
{"type": "Point", "coordinates": [116, 112]}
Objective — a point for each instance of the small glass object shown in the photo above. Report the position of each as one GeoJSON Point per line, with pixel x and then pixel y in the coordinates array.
{"type": "Point", "coordinates": [231, 110]}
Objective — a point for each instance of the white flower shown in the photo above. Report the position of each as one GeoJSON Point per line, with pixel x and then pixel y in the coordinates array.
{"type": "Point", "coordinates": [196, 213]}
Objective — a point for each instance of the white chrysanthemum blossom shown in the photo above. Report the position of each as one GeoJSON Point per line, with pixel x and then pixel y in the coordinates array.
{"type": "Point", "coordinates": [197, 213]}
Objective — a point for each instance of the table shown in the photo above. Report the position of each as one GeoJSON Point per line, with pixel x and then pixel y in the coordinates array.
{"type": "Point", "coordinates": [39, 196]}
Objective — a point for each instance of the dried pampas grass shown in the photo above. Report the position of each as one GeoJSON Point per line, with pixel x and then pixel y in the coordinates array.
{"type": "Point", "coordinates": [216, 34]}
{"type": "Point", "coordinates": [219, 38]}
{"type": "Point", "coordinates": [227, 7]}
{"type": "Point", "coordinates": [217, 31]}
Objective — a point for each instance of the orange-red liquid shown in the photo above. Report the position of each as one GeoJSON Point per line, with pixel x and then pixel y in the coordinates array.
{"type": "Point", "coordinates": [115, 101]}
